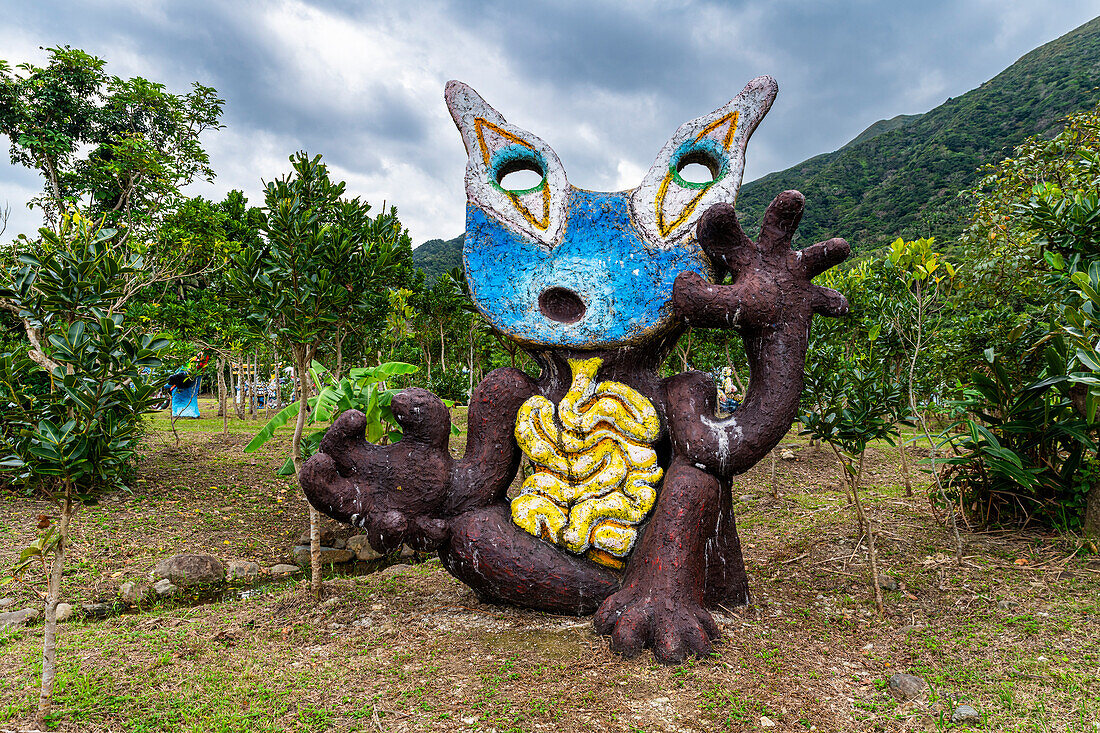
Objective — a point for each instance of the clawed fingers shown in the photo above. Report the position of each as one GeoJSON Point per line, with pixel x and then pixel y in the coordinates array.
{"type": "Point", "coordinates": [829, 302]}
{"type": "Point", "coordinates": [720, 234]}
{"type": "Point", "coordinates": [817, 258]}
{"type": "Point", "coordinates": [781, 220]}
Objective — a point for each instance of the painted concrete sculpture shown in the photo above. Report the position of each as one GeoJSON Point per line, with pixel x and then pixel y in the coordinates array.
{"type": "Point", "coordinates": [628, 513]}
{"type": "Point", "coordinates": [184, 389]}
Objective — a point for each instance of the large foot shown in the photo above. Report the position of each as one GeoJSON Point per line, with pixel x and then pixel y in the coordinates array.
{"type": "Point", "coordinates": [647, 616]}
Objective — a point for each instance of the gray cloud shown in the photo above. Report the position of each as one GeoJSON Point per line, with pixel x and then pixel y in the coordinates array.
{"type": "Point", "coordinates": [604, 82]}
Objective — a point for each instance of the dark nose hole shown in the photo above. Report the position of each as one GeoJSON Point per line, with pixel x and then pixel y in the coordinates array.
{"type": "Point", "coordinates": [561, 305]}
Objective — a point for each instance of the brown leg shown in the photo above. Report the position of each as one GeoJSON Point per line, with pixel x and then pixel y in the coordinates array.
{"type": "Point", "coordinates": [504, 564]}
{"type": "Point", "coordinates": [661, 602]}
{"type": "Point", "coordinates": [726, 582]}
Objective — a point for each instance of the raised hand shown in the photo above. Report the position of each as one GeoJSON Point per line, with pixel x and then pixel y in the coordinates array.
{"type": "Point", "coordinates": [771, 282]}
{"type": "Point", "coordinates": [395, 492]}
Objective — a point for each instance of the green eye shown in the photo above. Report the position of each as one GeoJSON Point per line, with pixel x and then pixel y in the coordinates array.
{"type": "Point", "coordinates": [518, 170]}
{"type": "Point", "coordinates": [699, 164]}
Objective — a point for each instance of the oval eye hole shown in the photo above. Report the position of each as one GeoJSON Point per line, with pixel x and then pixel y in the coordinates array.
{"type": "Point", "coordinates": [520, 175]}
{"type": "Point", "coordinates": [698, 167]}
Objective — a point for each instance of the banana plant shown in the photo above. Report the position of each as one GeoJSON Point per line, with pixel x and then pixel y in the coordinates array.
{"type": "Point", "coordinates": [364, 389]}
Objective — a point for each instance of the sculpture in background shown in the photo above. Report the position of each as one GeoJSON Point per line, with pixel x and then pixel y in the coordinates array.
{"type": "Point", "coordinates": [628, 514]}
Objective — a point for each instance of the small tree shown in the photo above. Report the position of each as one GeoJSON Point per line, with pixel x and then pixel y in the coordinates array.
{"type": "Point", "coordinates": [307, 278]}
{"type": "Point", "coordinates": [72, 401]}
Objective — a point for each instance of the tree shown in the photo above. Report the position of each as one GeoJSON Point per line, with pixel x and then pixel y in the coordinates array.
{"type": "Point", "coordinates": [72, 410]}
{"type": "Point", "coordinates": [308, 278]}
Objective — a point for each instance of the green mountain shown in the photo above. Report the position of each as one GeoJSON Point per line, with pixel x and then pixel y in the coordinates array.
{"type": "Point", "coordinates": [437, 256]}
{"type": "Point", "coordinates": [902, 176]}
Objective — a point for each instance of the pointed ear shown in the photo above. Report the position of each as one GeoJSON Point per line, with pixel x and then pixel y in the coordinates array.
{"type": "Point", "coordinates": [666, 206]}
{"type": "Point", "coordinates": [495, 149]}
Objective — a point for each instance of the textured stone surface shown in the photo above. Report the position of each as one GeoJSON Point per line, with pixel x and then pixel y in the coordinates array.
{"type": "Point", "coordinates": [362, 549]}
{"type": "Point", "coordinates": [282, 569]}
{"type": "Point", "coordinates": [131, 592]}
{"type": "Point", "coordinates": [165, 588]}
{"type": "Point", "coordinates": [189, 570]}
{"type": "Point", "coordinates": [329, 555]}
{"type": "Point", "coordinates": [965, 715]}
{"type": "Point", "coordinates": [17, 619]}
{"type": "Point", "coordinates": [242, 570]}
{"type": "Point", "coordinates": [64, 612]}
{"type": "Point", "coordinates": [906, 686]}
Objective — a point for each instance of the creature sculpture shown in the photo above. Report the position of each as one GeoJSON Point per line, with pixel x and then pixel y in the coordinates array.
{"type": "Point", "coordinates": [184, 385]}
{"type": "Point", "coordinates": [628, 513]}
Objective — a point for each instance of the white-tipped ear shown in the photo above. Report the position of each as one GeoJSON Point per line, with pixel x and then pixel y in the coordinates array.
{"type": "Point", "coordinates": [495, 149]}
{"type": "Point", "coordinates": [665, 206]}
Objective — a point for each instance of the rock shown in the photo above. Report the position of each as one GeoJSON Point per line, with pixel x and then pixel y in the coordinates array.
{"type": "Point", "coordinates": [282, 569]}
{"type": "Point", "coordinates": [6, 603]}
{"type": "Point", "coordinates": [407, 553]}
{"type": "Point", "coordinates": [98, 610]}
{"type": "Point", "coordinates": [64, 612]}
{"type": "Point", "coordinates": [339, 543]}
{"type": "Point", "coordinates": [766, 722]}
{"type": "Point", "coordinates": [189, 570]}
{"type": "Point", "coordinates": [787, 455]}
{"type": "Point", "coordinates": [746, 497]}
{"type": "Point", "coordinates": [131, 592]}
{"type": "Point", "coordinates": [242, 570]}
{"type": "Point", "coordinates": [1006, 604]}
{"type": "Point", "coordinates": [165, 588]}
{"type": "Point", "coordinates": [906, 686]}
{"type": "Point", "coordinates": [396, 569]}
{"type": "Point", "coordinates": [965, 715]}
{"type": "Point", "coordinates": [362, 549]}
{"type": "Point", "coordinates": [328, 538]}
{"type": "Point", "coordinates": [329, 555]}
{"type": "Point", "coordinates": [17, 619]}
{"type": "Point", "coordinates": [887, 582]}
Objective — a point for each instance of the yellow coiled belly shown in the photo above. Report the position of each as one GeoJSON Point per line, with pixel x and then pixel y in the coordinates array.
{"type": "Point", "coordinates": [596, 472]}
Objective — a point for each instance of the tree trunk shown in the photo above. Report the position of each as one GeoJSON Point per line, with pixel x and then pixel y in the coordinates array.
{"type": "Point", "coordinates": [1091, 526]}
{"type": "Point", "coordinates": [222, 396]}
{"type": "Point", "coordinates": [904, 464]}
{"type": "Point", "coordinates": [442, 349]}
{"type": "Point", "coordinates": [340, 355]}
{"type": "Point", "coordinates": [302, 357]}
{"type": "Point", "coordinates": [53, 596]}
{"type": "Point", "coordinates": [253, 395]}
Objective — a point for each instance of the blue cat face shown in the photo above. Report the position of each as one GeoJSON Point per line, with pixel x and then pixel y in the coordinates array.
{"type": "Point", "coordinates": [603, 285]}
{"type": "Point", "coordinates": [557, 266]}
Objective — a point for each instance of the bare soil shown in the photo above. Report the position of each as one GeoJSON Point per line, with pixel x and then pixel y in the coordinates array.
{"type": "Point", "coordinates": [1012, 632]}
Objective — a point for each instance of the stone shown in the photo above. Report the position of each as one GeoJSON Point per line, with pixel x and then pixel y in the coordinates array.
{"type": "Point", "coordinates": [1006, 604]}
{"type": "Point", "coordinates": [165, 588]}
{"type": "Point", "coordinates": [17, 619]}
{"type": "Point", "coordinates": [282, 569]}
{"type": "Point", "coordinates": [787, 455]}
{"type": "Point", "coordinates": [242, 570]}
{"type": "Point", "coordinates": [746, 497]}
{"type": "Point", "coordinates": [339, 543]}
{"type": "Point", "coordinates": [407, 553]}
{"type": "Point", "coordinates": [185, 571]}
{"type": "Point", "coordinates": [6, 603]}
{"type": "Point", "coordinates": [965, 715]}
{"type": "Point", "coordinates": [906, 686]}
{"type": "Point", "coordinates": [329, 555]}
{"type": "Point", "coordinates": [64, 612]}
{"type": "Point", "coordinates": [328, 538]}
{"type": "Point", "coordinates": [102, 609]}
{"type": "Point", "coordinates": [887, 582]}
{"type": "Point", "coordinates": [396, 569]}
{"type": "Point", "coordinates": [362, 549]}
{"type": "Point", "coordinates": [766, 722]}
{"type": "Point", "coordinates": [131, 592]}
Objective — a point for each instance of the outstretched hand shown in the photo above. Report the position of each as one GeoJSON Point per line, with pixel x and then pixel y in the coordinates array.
{"type": "Point", "coordinates": [770, 281]}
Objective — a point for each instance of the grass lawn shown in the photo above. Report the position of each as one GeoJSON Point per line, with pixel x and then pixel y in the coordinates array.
{"type": "Point", "coordinates": [411, 649]}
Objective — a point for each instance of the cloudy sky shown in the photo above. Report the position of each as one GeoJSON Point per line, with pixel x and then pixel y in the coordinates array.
{"type": "Point", "coordinates": [605, 83]}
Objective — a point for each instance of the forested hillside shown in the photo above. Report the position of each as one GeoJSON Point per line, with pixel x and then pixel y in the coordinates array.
{"type": "Point", "coordinates": [437, 256]}
{"type": "Point", "coordinates": [905, 181]}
